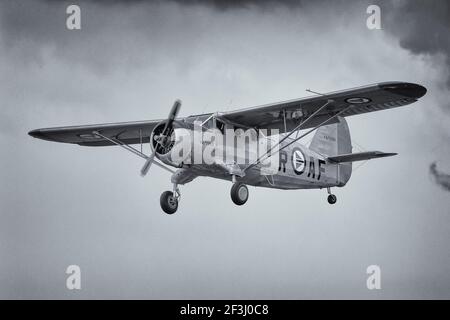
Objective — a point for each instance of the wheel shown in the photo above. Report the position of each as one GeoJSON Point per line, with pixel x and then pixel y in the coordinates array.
{"type": "Point", "coordinates": [332, 199]}
{"type": "Point", "coordinates": [169, 203]}
{"type": "Point", "coordinates": [239, 193]}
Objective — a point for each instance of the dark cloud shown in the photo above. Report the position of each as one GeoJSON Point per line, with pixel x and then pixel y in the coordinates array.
{"type": "Point", "coordinates": [231, 4]}
{"type": "Point", "coordinates": [219, 4]}
{"type": "Point", "coordinates": [422, 27]}
{"type": "Point", "coordinates": [441, 179]}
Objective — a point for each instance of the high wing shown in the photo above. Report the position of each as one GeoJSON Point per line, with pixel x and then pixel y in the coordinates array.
{"type": "Point", "coordinates": [127, 132]}
{"type": "Point", "coordinates": [288, 114]}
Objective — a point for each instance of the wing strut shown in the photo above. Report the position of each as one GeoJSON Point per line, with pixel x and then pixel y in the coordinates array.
{"type": "Point", "coordinates": [322, 124]}
{"type": "Point", "coordinates": [127, 147]}
{"type": "Point", "coordinates": [269, 152]}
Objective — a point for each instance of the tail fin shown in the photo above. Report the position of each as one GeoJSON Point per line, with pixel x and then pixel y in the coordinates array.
{"type": "Point", "coordinates": [332, 140]}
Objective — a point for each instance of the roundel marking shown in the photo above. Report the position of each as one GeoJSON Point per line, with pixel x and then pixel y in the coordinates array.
{"type": "Point", "coordinates": [357, 100]}
{"type": "Point", "coordinates": [298, 161]}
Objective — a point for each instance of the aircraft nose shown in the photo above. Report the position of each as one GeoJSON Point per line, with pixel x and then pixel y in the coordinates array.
{"type": "Point", "coordinates": [410, 90]}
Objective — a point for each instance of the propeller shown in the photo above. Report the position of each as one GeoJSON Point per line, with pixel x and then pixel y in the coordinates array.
{"type": "Point", "coordinates": [163, 137]}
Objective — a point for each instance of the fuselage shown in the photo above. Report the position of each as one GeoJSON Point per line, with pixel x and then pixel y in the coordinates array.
{"type": "Point", "coordinates": [295, 166]}
{"type": "Point", "coordinates": [298, 168]}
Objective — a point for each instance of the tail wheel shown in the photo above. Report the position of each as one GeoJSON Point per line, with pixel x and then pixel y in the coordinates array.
{"type": "Point", "coordinates": [332, 199]}
{"type": "Point", "coordinates": [169, 203]}
{"type": "Point", "coordinates": [239, 193]}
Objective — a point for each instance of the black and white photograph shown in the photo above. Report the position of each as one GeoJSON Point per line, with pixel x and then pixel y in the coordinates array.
{"type": "Point", "coordinates": [197, 150]}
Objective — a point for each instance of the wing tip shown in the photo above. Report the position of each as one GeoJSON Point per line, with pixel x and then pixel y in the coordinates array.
{"type": "Point", "coordinates": [407, 89]}
{"type": "Point", "coordinates": [389, 154]}
{"type": "Point", "coordinates": [42, 134]}
{"type": "Point", "coordinates": [36, 133]}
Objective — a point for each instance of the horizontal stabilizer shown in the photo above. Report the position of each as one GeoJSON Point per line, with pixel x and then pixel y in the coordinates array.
{"type": "Point", "coordinates": [351, 157]}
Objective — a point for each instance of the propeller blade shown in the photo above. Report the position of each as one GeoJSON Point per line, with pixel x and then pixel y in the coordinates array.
{"type": "Point", "coordinates": [172, 115]}
{"type": "Point", "coordinates": [147, 164]}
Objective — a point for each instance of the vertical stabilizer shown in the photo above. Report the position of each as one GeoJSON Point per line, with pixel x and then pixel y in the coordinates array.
{"type": "Point", "coordinates": [332, 140]}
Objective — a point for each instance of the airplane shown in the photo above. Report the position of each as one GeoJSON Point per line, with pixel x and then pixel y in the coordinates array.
{"type": "Point", "coordinates": [325, 163]}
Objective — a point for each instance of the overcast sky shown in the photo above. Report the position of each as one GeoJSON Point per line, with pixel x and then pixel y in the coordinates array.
{"type": "Point", "coordinates": [65, 204]}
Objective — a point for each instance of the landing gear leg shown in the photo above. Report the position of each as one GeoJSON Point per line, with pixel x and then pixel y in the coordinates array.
{"type": "Point", "coordinates": [331, 197]}
{"type": "Point", "coordinates": [169, 200]}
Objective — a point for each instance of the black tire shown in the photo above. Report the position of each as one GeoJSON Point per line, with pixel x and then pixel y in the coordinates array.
{"type": "Point", "coordinates": [168, 202]}
{"type": "Point", "coordinates": [332, 199]}
{"type": "Point", "coordinates": [239, 193]}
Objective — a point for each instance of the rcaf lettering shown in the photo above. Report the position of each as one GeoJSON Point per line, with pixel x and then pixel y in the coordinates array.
{"type": "Point", "coordinates": [302, 164]}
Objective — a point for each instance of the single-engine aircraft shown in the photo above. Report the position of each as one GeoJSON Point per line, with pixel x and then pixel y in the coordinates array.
{"type": "Point", "coordinates": [325, 163]}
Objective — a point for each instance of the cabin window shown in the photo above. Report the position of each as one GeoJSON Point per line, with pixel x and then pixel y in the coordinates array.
{"type": "Point", "coordinates": [220, 125]}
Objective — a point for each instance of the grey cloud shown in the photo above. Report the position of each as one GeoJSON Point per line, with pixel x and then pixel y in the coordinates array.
{"type": "Point", "coordinates": [441, 179]}
{"type": "Point", "coordinates": [218, 4]}
{"type": "Point", "coordinates": [62, 204]}
{"type": "Point", "coordinates": [423, 28]}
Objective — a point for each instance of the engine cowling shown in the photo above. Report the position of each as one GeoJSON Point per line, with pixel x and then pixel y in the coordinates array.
{"type": "Point", "coordinates": [164, 145]}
